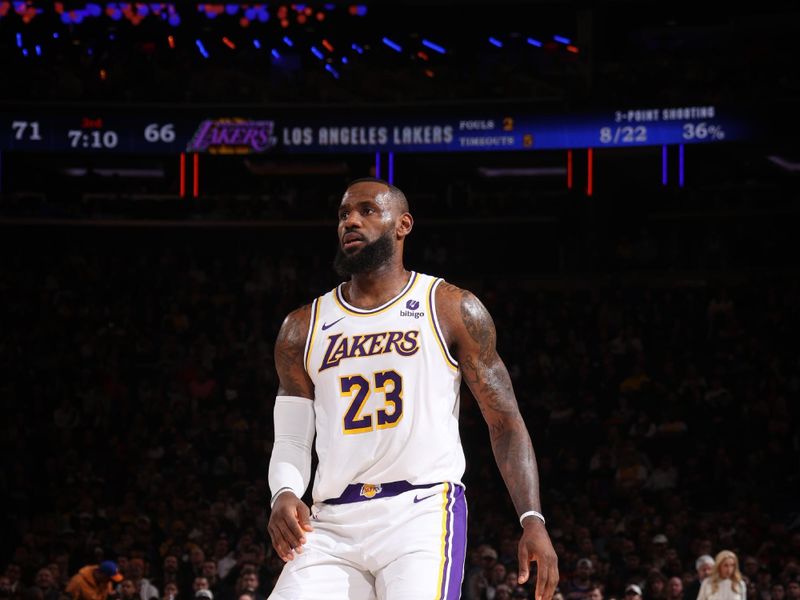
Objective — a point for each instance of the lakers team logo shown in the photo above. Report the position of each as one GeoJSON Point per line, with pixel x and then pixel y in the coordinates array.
{"type": "Point", "coordinates": [369, 490]}
{"type": "Point", "coordinates": [404, 343]}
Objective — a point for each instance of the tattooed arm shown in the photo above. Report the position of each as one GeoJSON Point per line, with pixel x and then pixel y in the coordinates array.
{"type": "Point", "coordinates": [471, 336]}
{"type": "Point", "coordinates": [289, 518]}
{"type": "Point", "coordinates": [289, 349]}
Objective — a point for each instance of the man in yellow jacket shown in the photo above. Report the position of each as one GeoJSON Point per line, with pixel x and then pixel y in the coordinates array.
{"type": "Point", "coordinates": [94, 582]}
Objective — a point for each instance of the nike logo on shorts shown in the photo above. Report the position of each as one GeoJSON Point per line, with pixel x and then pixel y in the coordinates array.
{"type": "Point", "coordinates": [418, 499]}
{"type": "Point", "coordinates": [327, 326]}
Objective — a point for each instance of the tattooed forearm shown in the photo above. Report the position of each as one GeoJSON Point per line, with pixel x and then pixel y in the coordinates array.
{"type": "Point", "coordinates": [516, 460]}
{"type": "Point", "coordinates": [289, 349]}
{"type": "Point", "coordinates": [482, 368]}
{"type": "Point", "coordinates": [488, 379]}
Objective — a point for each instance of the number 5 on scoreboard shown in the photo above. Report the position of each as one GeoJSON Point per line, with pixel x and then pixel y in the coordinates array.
{"type": "Point", "coordinates": [388, 382]}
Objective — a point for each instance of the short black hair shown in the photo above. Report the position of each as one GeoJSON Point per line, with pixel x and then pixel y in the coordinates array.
{"type": "Point", "coordinates": [396, 193]}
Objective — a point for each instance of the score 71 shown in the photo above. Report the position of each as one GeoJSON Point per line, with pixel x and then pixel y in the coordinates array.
{"type": "Point", "coordinates": [20, 127]}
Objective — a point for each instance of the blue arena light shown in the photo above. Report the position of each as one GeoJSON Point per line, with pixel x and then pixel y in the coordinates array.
{"type": "Point", "coordinates": [332, 71]}
{"type": "Point", "coordinates": [175, 20]}
{"type": "Point", "coordinates": [275, 54]}
{"type": "Point", "coordinates": [393, 45]}
{"type": "Point", "coordinates": [361, 10]}
{"type": "Point", "coordinates": [316, 52]}
{"type": "Point", "coordinates": [432, 46]}
{"type": "Point", "coordinates": [19, 40]}
{"type": "Point", "coordinates": [257, 44]}
{"type": "Point", "coordinates": [263, 16]}
{"type": "Point", "coordinates": [232, 9]}
{"type": "Point", "coordinates": [357, 48]}
{"type": "Point", "coordinates": [344, 60]}
{"type": "Point", "coordinates": [287, 40]}
{"type": "Point", "coordinates": [24, 52]}
{"type": "Point", "coordinates": [94, 10]}
{"type": "Point", "coordinates": [201, 48]}
{"type": "Point", "coordinates": [38, 49]}
{"type": "Point", "coordinates": [561, 39]}
{"type": "Point", "coordinates": [534, 42]}
{"type": "Point", "coordinates": [55, 35]}
{"type": "Point", "coordinates": [495, 42]}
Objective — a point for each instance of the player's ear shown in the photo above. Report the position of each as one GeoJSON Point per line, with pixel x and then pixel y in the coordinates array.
{"type": "Point", "coordinates": [404, 225]}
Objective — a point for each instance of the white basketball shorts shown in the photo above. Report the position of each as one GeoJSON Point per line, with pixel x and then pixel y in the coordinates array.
{"type": "Point", "coordinates": [383, 545]}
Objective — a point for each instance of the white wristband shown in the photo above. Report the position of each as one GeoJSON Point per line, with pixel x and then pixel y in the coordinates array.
{"type": "Point", "coordinates": [278, 493]}
{"type": "Point", "coordinates": [532, 513]}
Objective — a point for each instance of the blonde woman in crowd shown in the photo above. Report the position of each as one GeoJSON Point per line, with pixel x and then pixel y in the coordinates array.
{"type": "Point", "coordinates": [725, 581]}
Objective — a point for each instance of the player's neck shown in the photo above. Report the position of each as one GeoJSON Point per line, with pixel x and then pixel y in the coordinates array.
{"type": "Point", "coordinates": [374, 288]}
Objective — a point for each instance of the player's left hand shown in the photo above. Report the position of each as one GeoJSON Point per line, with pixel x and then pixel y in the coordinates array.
{"type": "Point", "coordinates": [535, 545]}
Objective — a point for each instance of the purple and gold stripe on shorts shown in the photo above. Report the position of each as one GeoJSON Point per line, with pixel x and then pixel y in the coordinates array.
{"type": "Point", "coordinates": [454, 542]}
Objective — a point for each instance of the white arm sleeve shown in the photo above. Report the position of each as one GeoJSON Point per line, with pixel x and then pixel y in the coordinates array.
{"type": "Point", "coordinates": [290, 464]}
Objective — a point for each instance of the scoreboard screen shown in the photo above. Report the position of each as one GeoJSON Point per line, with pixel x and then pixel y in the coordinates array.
{"type": "Point", "coordinates": [255, 131]}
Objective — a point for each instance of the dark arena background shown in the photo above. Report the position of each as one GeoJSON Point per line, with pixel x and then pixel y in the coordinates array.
{"type": "Point", "coordinates": [616, 180]}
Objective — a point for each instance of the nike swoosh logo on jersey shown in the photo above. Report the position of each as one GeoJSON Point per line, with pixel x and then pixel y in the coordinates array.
{"type": "Point", "coordinates": [418, 499]}
{"type": "Point", "coordinates": [328, 326]}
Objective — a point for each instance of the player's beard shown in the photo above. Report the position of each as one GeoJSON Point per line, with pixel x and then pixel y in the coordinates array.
{"type": "Point", "coordinates": [369, 258]}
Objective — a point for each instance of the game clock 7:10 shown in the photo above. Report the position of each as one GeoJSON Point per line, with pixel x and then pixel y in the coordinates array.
{"type": "Point", "coordinates": [96, 139]}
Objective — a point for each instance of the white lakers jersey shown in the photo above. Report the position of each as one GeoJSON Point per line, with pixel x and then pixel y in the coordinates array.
{"type": "Point", "coordinates": [386, 392]}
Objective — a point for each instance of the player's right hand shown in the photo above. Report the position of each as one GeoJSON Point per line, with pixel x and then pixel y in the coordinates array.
{"type": "Point", "coordinates": [289, 519]}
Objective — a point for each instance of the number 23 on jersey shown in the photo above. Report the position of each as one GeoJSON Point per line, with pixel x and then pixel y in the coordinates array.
{"type": "Point", "coordinates": [357, 387]}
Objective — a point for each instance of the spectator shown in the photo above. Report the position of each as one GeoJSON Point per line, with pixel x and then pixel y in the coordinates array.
{"type": "Point", "coordinates": [5, 587]}
{"type": "Point", "coordinates": [658, 552]}
{"type": "Point", "coordinates": [128, 590]}
{"type": "Point", "coordinates": [170, 573]}
{"type": "Point", "coordinates": [578, 586]}
{"type": "Point", "coordinates": [655, 588]}
{"type": "Point", "coordinates": [725, 581]}
{"type": "Point", "coordinates": [497, 577]}
{"type": "Point", "coordinates": [93, 582]}
{"type": "Point", "coordinates": [13, 572]}
{"type": "Point", "coordinates": [675, 589]}
{"type": "Point", "coordinates": [215, 583]}
{"type": "Point", "coordinates": [793, 590]}
{"type": "Point", "coordinates": [45, 582]}
{"type": "Point", "coordinates": [703, 566]}
{"type": "Point", "coordinates": [224, 557]}
{"type": "Point", "coordinates": [171, 591]}
{"type": "Point", "coordinates": [136, 570]}
{"type": "Point", "coordinates": [249, 583]}
{"type": "Point", "coordinates": [478, 581]}
{"type": "Point", "coordinates": [633, 592]}
{"type": "Point", "coordinates": [595, 593]}
{"type": "Point", "coordinates": [519, 592]}
{"type": "Point", "coordinates": [502, 592]}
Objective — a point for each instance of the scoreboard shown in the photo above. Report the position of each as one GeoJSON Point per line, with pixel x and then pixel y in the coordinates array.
{"type": "Point", "coordinates": [259, 131]}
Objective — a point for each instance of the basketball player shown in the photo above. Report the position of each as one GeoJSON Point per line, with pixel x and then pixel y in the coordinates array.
{"type": "Point", "coordinates": [374, 368]}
